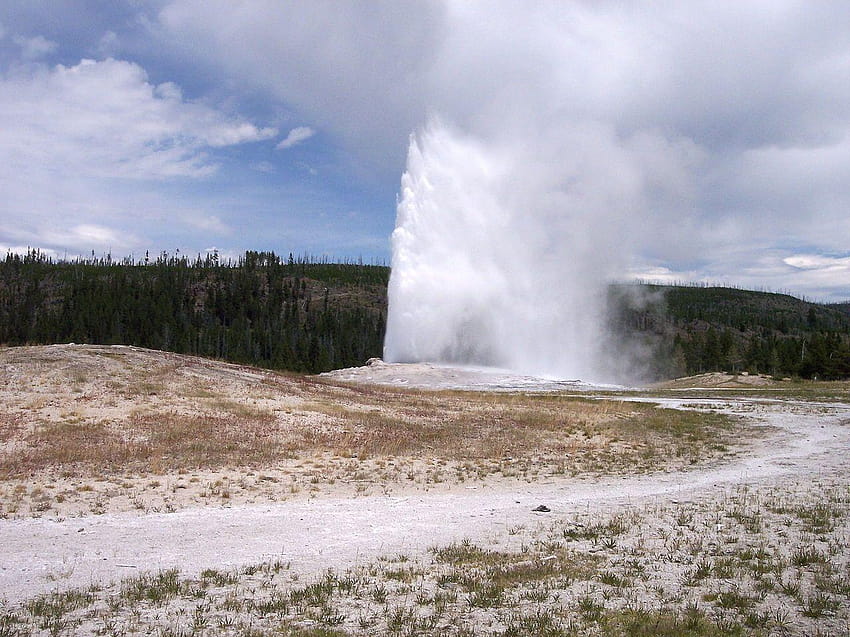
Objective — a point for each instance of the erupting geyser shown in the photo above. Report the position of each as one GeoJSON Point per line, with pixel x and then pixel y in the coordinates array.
{"type": "Point", "coordinates": [502, 248]}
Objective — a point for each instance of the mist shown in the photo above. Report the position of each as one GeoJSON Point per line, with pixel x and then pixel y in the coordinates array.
{"type": "Point", "coordinates": [504, 246]}
{"type": "Point", "coordinates": [517, 208]}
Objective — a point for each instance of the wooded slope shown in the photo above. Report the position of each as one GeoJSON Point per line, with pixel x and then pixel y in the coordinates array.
{"type": "Point", "coordinates": [312, 316]}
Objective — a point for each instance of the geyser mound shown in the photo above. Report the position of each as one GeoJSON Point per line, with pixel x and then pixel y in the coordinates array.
{"type": "Point", "coordinates": [503, 247]}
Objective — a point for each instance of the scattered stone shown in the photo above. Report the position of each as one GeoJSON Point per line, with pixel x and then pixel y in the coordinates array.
{"type": "Point", "coordinates": [542, 508]}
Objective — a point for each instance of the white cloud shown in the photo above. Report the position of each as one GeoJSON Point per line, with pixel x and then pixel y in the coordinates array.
{"type": "Point", "coordinates": [821, 277]}
{"type": "Point", "coordinates": [818, 277]}
{"type": "Point", "coordinates": [224, 256]}
{"type": "Point", "coordinates": [659, 275]}
{"type": "Point", "coordinates": [91, 142]}
{"type": "Point", "coordinates": [89, 235]}
{"type": "Point", "coordinates": [296, 136]}
{"type": "Point", "coordinates": [355, 69]}
{"type": "Point", "coordinates": [736, 114]}
{"type": "Point", "coordinates": [208, 223]}
{"type": "Point", "coordinates": [105, 119]}
{"type": "Point", "coordinates": [36, 47]}
{"type": "Point", "coordinates": [96, 234]}
{"type": "Point", "coordinates": [728, 123]}
{"type": "Point", "coordinates": [819, 262]}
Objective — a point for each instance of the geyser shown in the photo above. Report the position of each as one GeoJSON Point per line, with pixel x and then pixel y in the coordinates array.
{"type": "Point", "coordinates": [503, 246]}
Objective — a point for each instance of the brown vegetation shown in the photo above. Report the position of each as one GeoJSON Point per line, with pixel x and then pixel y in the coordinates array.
{"type": "Point", "coordinates": [84, 412]}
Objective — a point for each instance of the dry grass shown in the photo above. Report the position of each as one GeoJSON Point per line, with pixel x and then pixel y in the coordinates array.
{"type": "Point", "coordinates": [93, 412]}
{"type": "Point", "coordinates": [145, 444]}
{"type": "Point", "coordinates": [10, 426]}
{"type": "Point", "coordinates": [472, 426]}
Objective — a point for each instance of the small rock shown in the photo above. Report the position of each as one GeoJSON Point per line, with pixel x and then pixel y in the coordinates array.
{"type": "Point", "coordinates": [542, 508]}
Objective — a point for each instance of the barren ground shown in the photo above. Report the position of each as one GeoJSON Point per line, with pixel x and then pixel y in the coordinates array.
{"type": "Point", "coordinates": [119, 464]}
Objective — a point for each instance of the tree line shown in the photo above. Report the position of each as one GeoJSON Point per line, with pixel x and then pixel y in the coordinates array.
{"type": "Point", "coordinates": [297, 314]}
{"type": "Point", "coordinates": [309, 315]}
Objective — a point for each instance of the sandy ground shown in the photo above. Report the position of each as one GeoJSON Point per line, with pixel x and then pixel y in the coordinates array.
{"type": "Point", "coordinates": [810, 440]}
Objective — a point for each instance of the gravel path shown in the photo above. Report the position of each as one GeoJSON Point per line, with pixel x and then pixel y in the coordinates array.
{"type": "Point", "coordinates": [39, 555]}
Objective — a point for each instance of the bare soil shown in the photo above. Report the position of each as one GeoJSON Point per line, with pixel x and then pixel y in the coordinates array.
{"type": "Point", "coordinates": [722, 515]}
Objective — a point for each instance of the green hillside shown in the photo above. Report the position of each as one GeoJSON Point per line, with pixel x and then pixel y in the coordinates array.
{"type": "Point", "coordinates": [297, 314]}
{"type": "Point", "coordinates": [689, 330]}
{"type": "Point", "coordinates": [308, 315]}
{"type": "Point", "coordinates": [841, 307]}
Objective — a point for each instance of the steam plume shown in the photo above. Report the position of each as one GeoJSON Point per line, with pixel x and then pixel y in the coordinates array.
{"type": "Point", "coordinates": [503, 246]}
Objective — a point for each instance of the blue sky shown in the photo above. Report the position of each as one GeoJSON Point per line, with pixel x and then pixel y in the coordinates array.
{"type": "Point", "coordinates": [269, 125]}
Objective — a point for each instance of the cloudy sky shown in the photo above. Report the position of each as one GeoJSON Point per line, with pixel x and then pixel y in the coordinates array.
{"type": "Point", "coordinates": [269, 125]}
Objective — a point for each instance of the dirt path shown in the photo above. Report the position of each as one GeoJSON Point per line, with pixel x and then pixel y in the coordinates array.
{"type": "Point", "coordinates": [40, 555]}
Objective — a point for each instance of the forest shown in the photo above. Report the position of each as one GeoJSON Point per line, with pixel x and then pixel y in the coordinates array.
{"type": "Point", "coordinates": [296, 314]}
{"type": "Point", "coordinates": [684, 330]}
{"type": "Point", "coordinates": [308, 315]}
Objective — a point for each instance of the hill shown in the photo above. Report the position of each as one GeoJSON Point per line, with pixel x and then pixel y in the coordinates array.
{"type": "Point", "coordinates": [841, 307]}
{"type": "Point", "coordinates": [312, 316]}
{"type": "Point", "coordinates": [299, 314]}
{"type": "Point", "coordinates": [84, 428]}
{"type": "Point", "coordinates": [690, 330]}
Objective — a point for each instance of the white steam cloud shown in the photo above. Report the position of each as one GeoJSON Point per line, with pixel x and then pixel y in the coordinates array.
{"type": "Point", "coordinates": [503, 247]}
